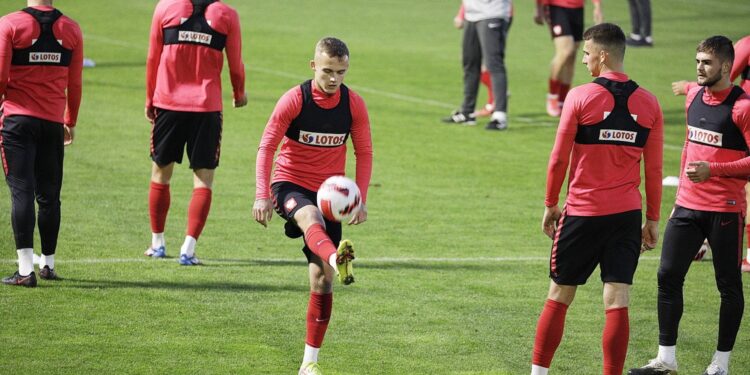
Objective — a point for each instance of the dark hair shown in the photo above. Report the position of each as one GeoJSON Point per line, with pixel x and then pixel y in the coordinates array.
{"type": "Point", "coordinates": [719, 46]}
{"type": "Point", "coordinates": [609, 36]}
{"type": "Point", "coordinates": [333, 47]}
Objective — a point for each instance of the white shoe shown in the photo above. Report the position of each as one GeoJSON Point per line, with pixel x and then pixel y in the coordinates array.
{"type": "Point", "coordinates": [655, 367]}
{"type": "Point", "coordinates": [715, 369]}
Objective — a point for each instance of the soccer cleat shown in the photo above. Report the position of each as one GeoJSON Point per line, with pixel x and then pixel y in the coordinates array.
{"type": "Point", "coordinates": [48, 273]}
{"type": "Point", "coordinates": [27, 281]}
{"type": "Point", "coordinates": [702, 252]}
{"type": "Point", "coordinates": [715, 369]}
{"type": "Point", "coordinates": [553, 105]}
{"type": "Point", "coordinates": [654, 367]}
{"type": "Point", "coordinates": [189, 261]}
{"type": "Point", "coordinates": [344, 258]}
{"type": "Point", "coordinates": [638, 42]}
{"type": "Point", "coordinates": [159, 252]}
{"type": "Point", "coordinates": [457, 117]}
{"type": "Point", "coordinates": [745, 266]}
{"type": "Point", "coordinates": [497, 125]}
{"type": "Point", "coordinates": [310, 368]}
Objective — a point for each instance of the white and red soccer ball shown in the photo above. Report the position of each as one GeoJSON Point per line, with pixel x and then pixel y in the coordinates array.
{"type": "Point", "coordinates": [339, 199]}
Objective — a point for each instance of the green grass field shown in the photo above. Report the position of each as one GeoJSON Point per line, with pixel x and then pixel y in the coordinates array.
{"type": "Point", "coordinates": [452, 268]}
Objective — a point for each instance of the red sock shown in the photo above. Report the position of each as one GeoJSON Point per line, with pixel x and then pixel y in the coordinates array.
{"type": "Point", "coordinates": [554, 86]}
{"type": "Point", "coordinates": [200, 204]}
{"type": "Point", "coordinates": [319, 243]}
{"type": "Point", "coordinates": [487, 81]}
{"type": "Point", "coordinates": [318, 315]}
{"type": "Point", "coordinates": [564, 88]}
{"type": "Point", "coordinates": [549, 332]}
{"type": "Point", "coordinates": [615, 340]}
{"type": "Point", "coordinates": [158, 206]}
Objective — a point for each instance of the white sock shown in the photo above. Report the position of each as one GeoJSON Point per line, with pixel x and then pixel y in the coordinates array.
{"type": "Point", "coordinates": [47, 260]}
{"type": "Point", "coordinates": [332, 262]}
{"type": "Point", "coordinates": [722, 359]}
{"type": "Point", "coordinates": [667, 354]}
{"type": "Point", "coordinates": [25, 261]}
{"type": "Point", "coordinates": [553, 96]}
{"type": "Point", "coordinates": [157, 240]}
{"type": "Point", "coordinates": [748, 254]}
{"type": "Point", "coordinates": [649, 39]}
{"type": "Point", "coordinates": [635, 36]}
{"type": "Point", "coordinates": [311, 354]}
{"type": "Point", "coordinates": [499, 116]}
{"type": "Point", "coordinates": [538, 370]}
{"type": "Point", "coordinates": [188, 247]}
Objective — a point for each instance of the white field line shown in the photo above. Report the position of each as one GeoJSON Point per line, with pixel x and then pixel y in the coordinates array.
{"type": "Point", "coordinates": [360, 260]}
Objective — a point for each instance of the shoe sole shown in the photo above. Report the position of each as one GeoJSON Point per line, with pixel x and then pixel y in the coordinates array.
{"type": "Point", "coordinates": [344, 258]}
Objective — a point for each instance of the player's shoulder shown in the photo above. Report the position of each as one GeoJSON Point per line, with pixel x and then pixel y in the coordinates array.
{"type": "Point", "coordinates": [646, 95]}
{"type": "Point", "coordinates": [743, 102]}
{"type": "Point", "coordinates": [354, 96]}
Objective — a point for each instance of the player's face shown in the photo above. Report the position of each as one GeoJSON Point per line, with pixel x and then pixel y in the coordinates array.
{"type": "Point", "coordinates": [593, 56]}
{"type": "Point", "coordinates": [329, 71]}
{"type": "Point", "coordinates": [709, 69]}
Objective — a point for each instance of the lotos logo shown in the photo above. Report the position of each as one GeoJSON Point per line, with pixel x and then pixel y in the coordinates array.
{"type": "Point", "coordinates": [194, 37]}
{"type": "Point", "coordinates": [617, 135]}
{"type": "Point", "coordinates": [44, 57]}
{"type": "Point", "coordinates": [704, 136]}
{"type": "Point", "coordinates": [321, 139]}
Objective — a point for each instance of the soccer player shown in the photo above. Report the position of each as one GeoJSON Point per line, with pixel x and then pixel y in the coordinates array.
{"type": "Point", "coordinates": [565, 20]}
{"type": "Point", "coordinates": [183, 103]}
{"type": "Point", "coordinates": [606, 127]}
{"type": "Point", "coordinates": [41, 58]}
{"type": "Point", "coordinates": [640, 19]}
{"type": "Point", "coordinates": [486, 28]}
{"type": "Point", "coordinates": [710, 204]}
{"type": "Point", "coordinates": [312, 121]}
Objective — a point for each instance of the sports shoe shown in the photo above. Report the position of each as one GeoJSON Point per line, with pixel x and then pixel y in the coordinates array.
{"type": "Point", "coordinates": [48, 273]}
{"type": "Point", "coordinates": [745, 265]}
{"type": "Point", "coordinates": [27, 281]}
{"type": "Point", "coordinates": [553, 105]}
{"type": "Point", "coordinates": [457, 117]}
{"type": "Point", "coordinates": [159, 252]}
{"type": "Point", "coordinates": [344, 258]}
{"type": "Point", "coordinates": [654, 367]}
{"type": "Point", "coordinates": [189, 261]}
{"type": "Point", "coordinates": [638, 42]}
{"type": "Point", "coordinates": [310, 368]}
{"type": "Point", "coordinates": [702, 252]}
{"type": "Point", "coordinates": [715, 369]}
{"type": "Point", "coordinates": [497, 125]}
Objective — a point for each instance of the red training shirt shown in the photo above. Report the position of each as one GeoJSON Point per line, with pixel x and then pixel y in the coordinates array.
{"type": "Point", "coordinates": [309, 166]}
{"type": "Point", "coordinates": [604, 179]}
{"type": "Point", "coordinates": [36, 90]}
{"type": "Point", "coordinates": [187, 77]}
{"type": "Point", "coordinates": [565, 3]}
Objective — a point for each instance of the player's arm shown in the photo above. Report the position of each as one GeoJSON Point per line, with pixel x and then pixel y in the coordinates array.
{"type": "Point", "coordinates": [6, 55]}
{"type": "Point", "coordinates": [287, 108]}
{"type": "Point", "coordinates": [699, 171]}
{"type": "Point", "coordinates": [458, 20]}
{"type": "Point", "coordinates": [559, 160]}
{"type": "Point", "coordinates": [598, 14]}
{"type": "Point", "coordinates": [74, 89]}
{"type": "Point", "coordinates": [234, 59]}
{"type": "Point", "coordinates": [741, 56]}
{"type": "Point", "coordinates": [653, 153]}
{"type": "Point", "coordinates": [155, 47]}
{"type": "Point", "coordinates": [541, 14]}
{"type": "Point", "coordinates": [362, 141]}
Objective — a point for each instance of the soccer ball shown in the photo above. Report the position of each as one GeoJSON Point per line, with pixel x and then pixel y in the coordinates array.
{"type": "Point", "coordinates": [339, 198]}
{"type": "Point", "coordinates": [701, 255]}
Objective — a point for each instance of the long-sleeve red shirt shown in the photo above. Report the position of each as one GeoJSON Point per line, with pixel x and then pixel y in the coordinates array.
{"type": "Point", "coordinates": [309, 166]}
{"type": "Point", "coordinates": [187, 77]}
{"type": "Point", "coordinates": [730, 169]}
{"type": "Point", "coordinates": [604, 179]}
{"type": "Point", "coordinates": [566, 3]}
{"type": "Point", "coordinates": [741, 62]}
{"type": "Point", "coordinates": [51, 93]}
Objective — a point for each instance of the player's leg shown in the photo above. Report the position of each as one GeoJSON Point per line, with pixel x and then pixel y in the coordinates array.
{"type": "Point", "coordinates": [746, 260]}
{"type": "Point", "coordinates": [18, 151]}
{"type": "Point", "coordinates": [48, 183]}
{"type": "Point", "coordinates": [319, 310]}
{"type": "Point", "coordinates": [551, 325]}
{"type": "Point", "coordinates": [645, 10]}
{"type": "Point", "coordinates": [492, 37]}
{"type": "Point", "coordinates": [311, 222]}
{"type": "Point", "coordinates": [616, 333]}
{"type": "Point", "coordinates": [471, 62]}
{"type": "Point", "coordinates": [726, 242]}
{"type": "Point", "coordinates": [635, 20]}
{"type": "Point", "coordinates": [198, 209]}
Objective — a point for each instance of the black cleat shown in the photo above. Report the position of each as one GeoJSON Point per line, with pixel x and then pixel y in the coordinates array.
{"type": "Point", "coordinates": [497, 125]}
{"type": "Point", "coordinates": [27, 281]}
{"type": "Point", "coordinates": [638, 42]}
{"type": "Point", "coordinates": [461, 118]}
{"type": "Point", "coordinates": [654, 367]}
{"type": "Point", "coordinates": [48, 273]}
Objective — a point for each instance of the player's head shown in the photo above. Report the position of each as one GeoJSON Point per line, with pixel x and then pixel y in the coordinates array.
{"type": "Point", "coordinates": [714, 57]}
{"type": "Point", "coordinates": [330, 64]}
{"type": "Point", "coordinates": [603, 47]}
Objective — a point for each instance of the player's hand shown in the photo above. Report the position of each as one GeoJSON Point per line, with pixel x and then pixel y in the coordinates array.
{"type": "Point", "coordinates": [698, 171]}
{"type": "Point", "coordinates": [649, 235]}
{"type": "Point", "coordinates": [68, 135]}
{"type": "Point", "coordinates": [598, 15]}
{"type": "Point", "coordinates": [241, 102]}
{"type": "Point", "coordinates": [540, 15]}
{"type": "Point", "coordinates": [458, 22]}
{"type": "Point", "coordinates": [150, 114]}
{"type": "Point", "coordinates": [360, 217]}
{"type": "Point", "coordinates": [549, 221]}
{"type": "Point", "coordinates": [263, 211]}
{"type": "Point", "coordinates": [680, 87]}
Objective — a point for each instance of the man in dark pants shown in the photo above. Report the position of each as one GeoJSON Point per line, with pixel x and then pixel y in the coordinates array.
{"type": "Point", "coordinates": [640, 19]}
{"type": "Point", "coordinates": [485, 31]}
{"type": "Point", "coordinates": [41, 60]}
{"type": "Point", "coordinates": [710, 204]}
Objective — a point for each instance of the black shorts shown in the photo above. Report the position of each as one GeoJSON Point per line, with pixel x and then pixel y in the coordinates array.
{"type": "Point", "coordinates": [288, 198]}
{"type": "Point", "coordinates": [32, 153]}
{"type": "Point", "coordinates": [566, 21]}
{"type": "Point", "coordinates": [200, 131]}
{"type": "Point", "coordinates": [582, 242]}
